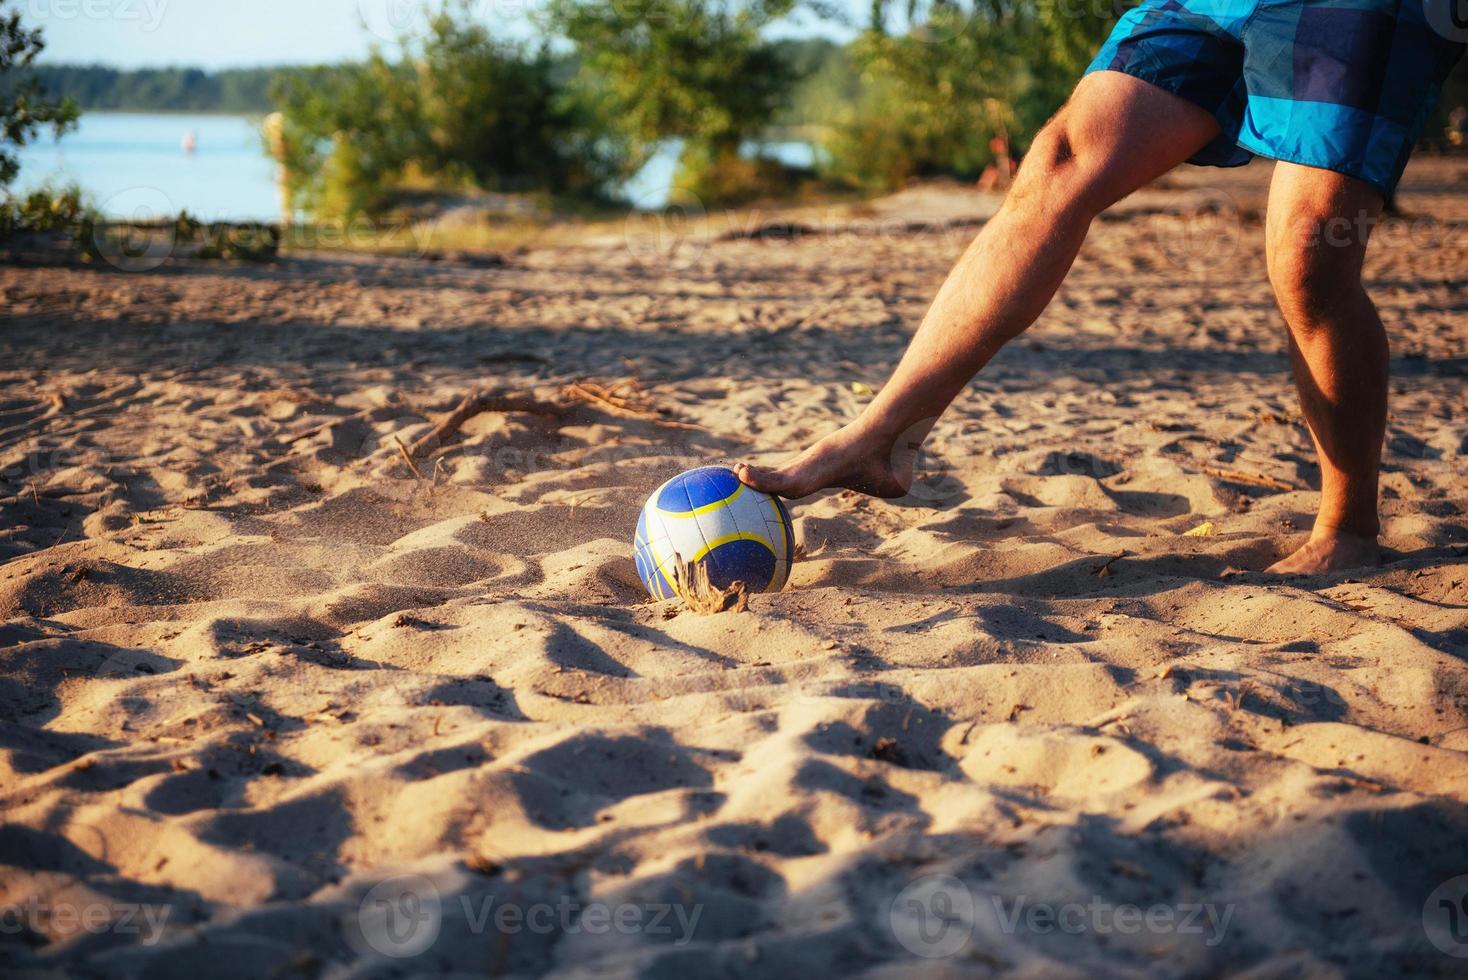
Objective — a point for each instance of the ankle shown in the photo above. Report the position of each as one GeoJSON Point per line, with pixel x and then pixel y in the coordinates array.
{"type": "Point", "coordinates": [882, 431]}
{"type": "Point", "coordinates": [1329, 530]}
{"type": "Point", "coordinates": [868, 434]}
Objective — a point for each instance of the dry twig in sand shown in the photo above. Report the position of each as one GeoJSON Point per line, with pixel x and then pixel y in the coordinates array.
{"type": "Point", "coordinates": [407, 457]}
{"type": "Point", "coordinates": [338, 420]}
{"type": "Point", "coordinates": [477, 403]}
{"type": "Point", "coordinates": [692, 584]}
{"type": "Point", "coordinates": [1252, 479]}
{"type": "Point", "coordinates": [626, 398]}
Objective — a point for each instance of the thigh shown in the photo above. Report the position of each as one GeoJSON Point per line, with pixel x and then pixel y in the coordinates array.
{"type": "Point", "coordinates": [1320, 219]}
{"type": "Point", "coordinates": [1126, 132]}
{"type": "Point", "coordinates": [1191, 49]}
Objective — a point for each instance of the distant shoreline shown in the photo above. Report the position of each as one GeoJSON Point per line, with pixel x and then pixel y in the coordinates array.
{"type": "Point", "coordinates": [223, 113]}
{"type": "Point", "coordinates": [225, 91]}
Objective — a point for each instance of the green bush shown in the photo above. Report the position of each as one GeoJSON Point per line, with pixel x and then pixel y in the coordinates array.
{"type": "Point", "coordinates": [42, 210]}
{"type": "Point", "coordinates": [723, 175]}
{"type": "Point", "coordinates": [693, 70]}
{"type": "Point", "coordinates": [930, 100]}
{"type": "Point", "coordinates": [459, 111]}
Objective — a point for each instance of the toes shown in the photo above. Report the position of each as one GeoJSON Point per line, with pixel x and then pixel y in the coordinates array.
{"type": "Point", "coordinates": [779, 481]}
{"type": "Point", "coordinates": [759, 477]}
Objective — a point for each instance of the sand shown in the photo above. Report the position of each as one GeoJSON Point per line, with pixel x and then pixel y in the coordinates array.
{"type": "Point", "coordinates": [272, 705]}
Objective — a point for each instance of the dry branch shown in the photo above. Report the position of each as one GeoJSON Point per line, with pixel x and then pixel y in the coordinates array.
{"type": "Point", "coordinates": [1252, 479]}
{"type": "Point", "coordinates": [477, 403]}
{"type": "Point", "coordinates": [628, 399]}
{"type": "Point", "coordinates": [338, 420]}
{"type": "Point", "coordinates": [407, 457]}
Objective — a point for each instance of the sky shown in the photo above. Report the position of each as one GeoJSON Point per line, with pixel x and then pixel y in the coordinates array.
{"type": "Point", "coordinates": [230, 33]}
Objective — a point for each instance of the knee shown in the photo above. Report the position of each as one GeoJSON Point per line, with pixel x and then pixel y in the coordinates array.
{"type": "Point", "coordinates": [1056, 174]}
{"type": "Point", "coordinates": [1314, 281]}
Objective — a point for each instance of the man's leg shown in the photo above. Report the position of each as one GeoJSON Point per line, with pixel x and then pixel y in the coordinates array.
{"type": "Point", "coordinates": [1316, 233]}
{"type": "Point", "coordinates": [1114, 135]}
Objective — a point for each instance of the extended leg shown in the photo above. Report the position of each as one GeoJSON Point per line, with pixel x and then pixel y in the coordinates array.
{"type": "Point", "coordinates": [1317, 230]}
{"type": "Point", "coordinates": [1115, 135]}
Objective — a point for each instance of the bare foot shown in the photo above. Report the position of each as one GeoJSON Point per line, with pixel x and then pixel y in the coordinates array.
{"type": "Point", "coordinates": [849, 458]}
{"type": "Point", "coordinates": [1329, 550]}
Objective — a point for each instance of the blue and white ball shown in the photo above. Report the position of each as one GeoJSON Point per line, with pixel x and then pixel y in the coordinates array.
{"type": "Point", "coordinates": [707, 516]}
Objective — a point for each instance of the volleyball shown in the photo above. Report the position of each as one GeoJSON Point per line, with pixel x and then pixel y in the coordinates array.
{"type": "Point", "coordinates": [707, 517]}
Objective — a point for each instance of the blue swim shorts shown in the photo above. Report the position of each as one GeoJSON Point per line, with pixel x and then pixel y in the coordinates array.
{"type": "Point", "coordinates": [1345, 85]}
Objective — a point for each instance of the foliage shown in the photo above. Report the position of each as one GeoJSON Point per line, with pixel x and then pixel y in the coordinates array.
{"type": "Point", "coordinates": [830, 81]}
{"type": "Point", "coordinates": [803, 57]}
{"type": "Point", "coordinates": [24, 105]}
{"type": "Point", "coordinates": [456, 111]}
{"type": "Point", "coordinates": [723, 174]}
{"type": "Point", "coordinates": [459, 110]}
{"type": "Point", "coordinates": [59, 220]}
{"type": "Point", "coordinates": [43, 210]}
{"type": "Point", "coordinates": [929, 100]}
{"type": "Point", "coordinates": [1454, 95]}
{"type": "Point", "coordinates": [694, 70]}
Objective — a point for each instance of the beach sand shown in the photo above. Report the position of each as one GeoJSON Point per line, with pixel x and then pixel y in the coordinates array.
{"type": "Point", "coordinates": [272, 705]}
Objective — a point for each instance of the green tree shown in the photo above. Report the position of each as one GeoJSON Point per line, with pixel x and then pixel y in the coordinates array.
{"type": "Point", "coordinates": [160, 89]}
{"type": "Point", "coordinates": [695, 70]}
{"type": "Point", "coordinates": [931, 97]}
{"type": "Point", "coordinates": [24, 106]}
{"type": "Point", "coordinates": [459, 109]}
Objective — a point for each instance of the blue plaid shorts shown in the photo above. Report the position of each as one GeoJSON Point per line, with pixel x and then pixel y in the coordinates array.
{"type": "Point", "coordinates": [1346, 85]}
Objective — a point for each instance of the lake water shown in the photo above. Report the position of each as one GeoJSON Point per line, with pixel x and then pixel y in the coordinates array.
{"type": "Point", "coordinates": [135, 165]}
